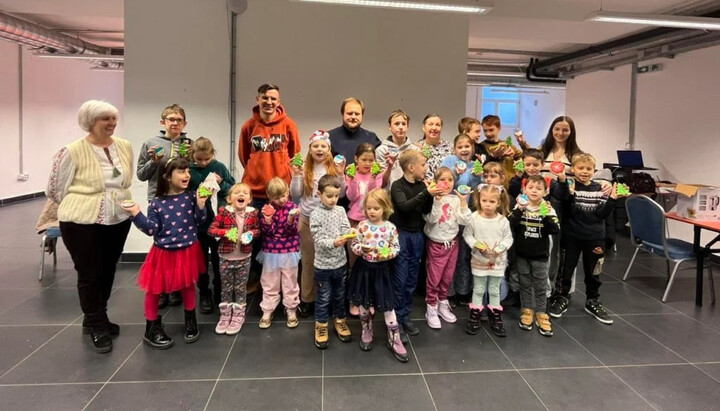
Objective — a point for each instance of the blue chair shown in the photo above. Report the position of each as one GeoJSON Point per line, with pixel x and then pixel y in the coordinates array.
{"type": "Point", "coordinates": [648, 232]}
{"type": "Point", "coordinates": [48, 244]}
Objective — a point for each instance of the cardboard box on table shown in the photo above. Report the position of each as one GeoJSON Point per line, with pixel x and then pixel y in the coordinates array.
{"type": "Point", "coordinates": [698, 201]}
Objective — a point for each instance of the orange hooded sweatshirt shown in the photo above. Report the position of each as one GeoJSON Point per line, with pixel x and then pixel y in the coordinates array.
{"type": "Point", "coordinates": [265, 150]}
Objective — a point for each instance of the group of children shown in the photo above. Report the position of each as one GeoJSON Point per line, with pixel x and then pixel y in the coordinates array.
{"type": "Point", "coordinates": [477, 216]}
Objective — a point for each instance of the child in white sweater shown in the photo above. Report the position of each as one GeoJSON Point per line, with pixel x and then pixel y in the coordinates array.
{"type": "Point", "coordinates": [489, 236]}
{"type": "Point", "coordinates": [441, 228]}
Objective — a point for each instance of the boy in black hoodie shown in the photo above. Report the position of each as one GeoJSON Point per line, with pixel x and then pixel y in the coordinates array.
{"type": "Point", "coordinates": [583, 232]}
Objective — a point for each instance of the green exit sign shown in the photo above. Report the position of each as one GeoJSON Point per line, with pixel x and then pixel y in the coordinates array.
{"type": "Point", "coordinates": [649, 68]}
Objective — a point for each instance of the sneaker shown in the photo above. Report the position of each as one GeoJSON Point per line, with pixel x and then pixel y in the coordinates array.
{"type": "Point", "coordinates": [445, 312]}
{"type": "Point", "coordinates": [292, 320]}
{"type": "Point", "coordinates": [410, 328]}
{"type": "Point", "coordinates": [395, 344]}
{"type": "Point", "coordinates": [100, 339]}
{"type": "Point", "coordinates": [597, 310]}
{"type": "Point", "coordinates": [342, 330]}
{"type": "Point", "coordinates": [321, 335]}
{"type": "Point", "coordinates": [237, 320]}
{"type": "Point", "coordinates": [431, 316]}
{"type": "Point", "coordinates": [225, 315]}
{"type": "Point", "coordinates": [266, 321]}
{"type": "Point", "coordinates": [206, 302]}
{"type": "Point", "coordinates": [526, 319]}
{"type": "Point", "coordinates": [496, 322]}
{"type": "Point", "coordinates": [366, 335]}
{"type": "Point", "coordinates": [511, 300]}
{"type": "Point", "coordinates": [473, 325]}
{"type": "Point", "coordinates": [558, 306]}
{"type": "Point", "coordinates": [542, 321]}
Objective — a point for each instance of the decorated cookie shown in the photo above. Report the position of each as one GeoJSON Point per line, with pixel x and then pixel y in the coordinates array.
{"type": "Point", "coordinates": [622, 190]}
{"type": "Point", "coordinates": [375, 169]}
{"type": "Point", "coordinates": [443, 185]}
{"type": "Point", "coordinates": [351, 170]}
{"type": "Point", "coordinates": [426, 152]}
{"type": "Point", "coordinates": [246, 237]}
{"type": "Point", "coordinates": [159, 151]}
{"type": "Point", "coordinates": [350, 235]}
{"type": "Point", "coordinates": [480, 245]}
{"type": "Point", "coordinates": [544, 209]}
{"type": "Point", "coordinates": [339, 159]}
{"type": "Point", "coordinates": [523, 200]}
{"type": "Point", "coordinates": [509, 142]}
{"type": "Point", "coordinates": [232, 234]}
{"type": "Point", "coordinates": [297, 160]}
{"type": "Point", "coordinates": [384, 252]}
{"type": "Point", "coordinates": [519, 166]}
{"type": "Point", "coordinates": [477, 167]}
{"type": "Point", "coordinates": [464, 190]}
{"type": "Point", "coordinates": [557, 167]}
{"type": "Point", "coordinates": [184, 149]}
{"type": "Point", "coordinates": [127, 203]}
{"type": "Point", "coordinates": [204, 192]}
{"type": "Point", "coordinates": [268, 210]}
{"type": "Point", "coordinates": [460, 166]}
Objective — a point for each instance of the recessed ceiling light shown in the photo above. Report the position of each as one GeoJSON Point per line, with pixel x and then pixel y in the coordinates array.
{"type": "Point", "coordinates": [662, 20]}
{"type": "Point", "coordinates": [456, 6]}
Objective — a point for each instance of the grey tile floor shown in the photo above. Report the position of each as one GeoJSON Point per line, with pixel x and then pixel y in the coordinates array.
{"type": "Point", "coordinates": [656, 356]}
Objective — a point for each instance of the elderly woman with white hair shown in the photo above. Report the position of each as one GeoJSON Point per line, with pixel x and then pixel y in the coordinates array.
{"type": "Point", "coordinates": [89, 179]}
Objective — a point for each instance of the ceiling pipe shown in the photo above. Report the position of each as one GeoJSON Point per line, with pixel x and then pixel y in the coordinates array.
{"type": "Point", "coordinates": [30, 34]}
{"type": "Point", "coordinates": [533, 76]}
{"type": "Point", "coordinates": [515, 52]}
{"type": "Point", "coordinates": [611, 46]}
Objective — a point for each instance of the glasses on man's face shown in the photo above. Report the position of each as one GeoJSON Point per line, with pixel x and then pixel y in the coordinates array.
{"type": "Point", "coordinates": [178, 120]}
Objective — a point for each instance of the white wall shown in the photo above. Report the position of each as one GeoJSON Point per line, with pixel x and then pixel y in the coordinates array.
{"type": "Point", "coordinates": [537, 110]}
{"type": "Point", "coordinates": [53, 90]}
{"type": "Point", "coordinates": [677, 126]}
{"type": "Point", "coordinates": [321, 54]}
{"type": "Point", "coordinates": [185, 61]}
{"type": "Point", "coordinates": [599, 103]}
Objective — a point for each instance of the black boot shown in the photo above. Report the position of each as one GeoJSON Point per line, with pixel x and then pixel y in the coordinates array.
{"type": "Point", "coordinates": [511, 300]}
{"type": "Point", "coordinates": [473, 324]}
{"type": "Point", "coordinates": [164, 301]}
{"type": "Point", "coordinates": [175, 299]}
{"type": "Point", "coordinates": [496, 322]}
{"type": "Point", "coordinates": [100, 339]}
{"type": "Point", "coordinates": [155, 335]}
{"type": "Point", "coordinates": [113, 329]}
{"type": "Point", "coordinates": [305, 309]}
{"type": "Point", "coordinates": [206, 302]}
{"type": "Point", "coordinates": [192, 333]}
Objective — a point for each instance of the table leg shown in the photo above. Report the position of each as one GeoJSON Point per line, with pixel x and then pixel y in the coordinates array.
{"type": "Point", "coordinates": [699, 253]}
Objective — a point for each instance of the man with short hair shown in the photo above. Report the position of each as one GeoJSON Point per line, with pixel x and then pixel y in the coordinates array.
{"type": "Point", "coordinates": [345, 139]}
{"type": "Point", "coordinates": [268, 140]}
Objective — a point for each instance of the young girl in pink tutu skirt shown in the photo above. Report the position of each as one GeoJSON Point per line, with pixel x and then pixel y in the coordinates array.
{"type": "Point", "coordinates": [175, 259]}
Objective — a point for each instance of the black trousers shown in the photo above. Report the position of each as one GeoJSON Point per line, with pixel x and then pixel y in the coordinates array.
{"type": "Point", "coordinates": [593, 253]}
{"type": "Point", "coordinates": [95, 250]}
{"type": "Point", "coordinates": [209, 247]}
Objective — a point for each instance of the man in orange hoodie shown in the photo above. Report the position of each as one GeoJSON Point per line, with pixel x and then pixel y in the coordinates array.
{"type": "Point", "coordinates": [268, 140]}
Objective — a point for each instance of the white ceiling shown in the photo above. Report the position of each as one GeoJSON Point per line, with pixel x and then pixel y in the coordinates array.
{"type": "Point", "coordinates": [535, 25]}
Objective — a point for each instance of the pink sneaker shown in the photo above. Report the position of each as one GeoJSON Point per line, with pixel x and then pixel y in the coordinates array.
{"type": "Point", "coordinates": [225, 316]}
{"type": "Point", "coordinates": [237, 320]}
{"type": "Point", "coordinates": [395, 345]}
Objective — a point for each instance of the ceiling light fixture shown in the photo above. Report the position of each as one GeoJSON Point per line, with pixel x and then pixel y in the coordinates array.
{"type": "Point", "coordinates": [98, 57]}
{"type": "Point", "coordinates": [662, 20]}
{"type": "Point", "coordinates": [495, 74]}
{"type": "Point", "coordinates": [457, 6]}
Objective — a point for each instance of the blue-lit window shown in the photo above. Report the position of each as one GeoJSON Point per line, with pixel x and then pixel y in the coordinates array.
{"type": "Point", "coordinates": [503, 102]}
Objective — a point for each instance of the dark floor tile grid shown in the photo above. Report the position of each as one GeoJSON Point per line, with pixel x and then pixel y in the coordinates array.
{"type": "Point", "coordinates": [642, 359]}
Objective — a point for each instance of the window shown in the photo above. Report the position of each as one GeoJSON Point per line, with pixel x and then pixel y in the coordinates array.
{"type": "Point", "coordinates": [503, 102]}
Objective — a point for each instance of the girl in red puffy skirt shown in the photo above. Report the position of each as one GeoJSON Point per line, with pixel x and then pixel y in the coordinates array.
{"type": "Point", "coordinates": [175, 259]}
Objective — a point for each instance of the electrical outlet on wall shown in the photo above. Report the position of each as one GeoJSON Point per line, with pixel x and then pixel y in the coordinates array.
{"type": "Point", "coordinates": [23, 177]}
